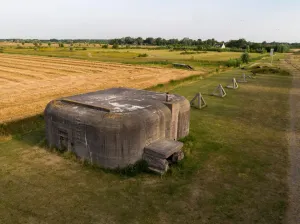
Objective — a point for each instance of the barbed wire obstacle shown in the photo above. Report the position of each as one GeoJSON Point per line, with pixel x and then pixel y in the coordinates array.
{"type": "Point", "coordinates": [198, 101]}
{"type": "Point", "coordinates": [233, 85]}
{"type": "Point", "coordinates": [243, 79]}
{"type": "Point", "coordinates": [219, 91]}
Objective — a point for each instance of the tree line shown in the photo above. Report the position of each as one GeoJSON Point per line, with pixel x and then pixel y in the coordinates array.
{"type": "Point", "coordinates": [182, 44]}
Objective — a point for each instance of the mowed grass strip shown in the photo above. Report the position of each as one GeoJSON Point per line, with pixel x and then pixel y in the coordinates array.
{"type": "Point", "coordinates": [234, 170]}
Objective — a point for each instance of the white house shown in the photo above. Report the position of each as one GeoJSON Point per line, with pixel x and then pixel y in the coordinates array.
{"type": "Point", "coordinates": [223, 46]}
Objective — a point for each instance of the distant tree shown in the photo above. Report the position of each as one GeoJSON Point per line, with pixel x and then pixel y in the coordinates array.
{"type": "Point", "coordinates": [105, 46]}
{"type": "Point", "coordinates": [49, 44]}
{"type": "Point", "coordinates": [248, 49]}
{"type": "Point", "coordinates": [149, 41]}
{"type": "Point", "coordinates": [128, 40]}
{"type": "Point", "coordinates": [186, 41]}
{"type": "Point", "coordinates": [139, 41]}
{"type": "Point", "coordinates": [173, 41]}
{"type": "Point", "coordinates": [241, 43]}
{"type": "Point", "coordinates": [158, 41]}
{"type": "Point", "coordinates": [199, 42]}
{"type": "Point", "coordinates": [23, 42]}
{"type": "Point", "coordinates": [35, 43]}
{"type": "Point", "coordinates": [245, 57]}
{"type": "Point", "coordinates": [60, 44]}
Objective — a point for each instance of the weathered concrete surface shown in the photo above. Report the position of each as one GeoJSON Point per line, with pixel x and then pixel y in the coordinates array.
{"type": "Point", "coordinates": [163, 148]}
{"type": "Point", "coordinates": [293, 211]}
{"type": "Point", "coordinates": [161, 153]}
{"type": "Point", "coordinates": [112, 127]}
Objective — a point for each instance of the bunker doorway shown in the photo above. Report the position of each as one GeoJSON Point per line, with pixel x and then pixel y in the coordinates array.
{"type": "Point", "coordinates": [63, 140]}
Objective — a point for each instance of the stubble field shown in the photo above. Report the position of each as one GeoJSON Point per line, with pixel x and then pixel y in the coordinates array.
{"type": "Point", "coordinates": [28, 83]}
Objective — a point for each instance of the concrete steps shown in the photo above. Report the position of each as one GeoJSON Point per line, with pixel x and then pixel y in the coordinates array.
{"type": "Point", "coordinates": [161, 153]}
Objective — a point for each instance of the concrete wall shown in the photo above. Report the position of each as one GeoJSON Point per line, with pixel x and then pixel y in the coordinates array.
{"type": "Point", "coordinates": [114, 139]}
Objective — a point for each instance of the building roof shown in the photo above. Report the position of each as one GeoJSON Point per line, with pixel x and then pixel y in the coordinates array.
{"type": "Point", "coordinates": [119, 100]}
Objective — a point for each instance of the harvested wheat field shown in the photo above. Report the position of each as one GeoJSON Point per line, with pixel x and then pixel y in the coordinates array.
{"type": "Point", "coordinates": [28, 83]}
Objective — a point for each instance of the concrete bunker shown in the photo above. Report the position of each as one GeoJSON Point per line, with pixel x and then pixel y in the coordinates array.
{"type": "Point", "coordinates": [120, 126]}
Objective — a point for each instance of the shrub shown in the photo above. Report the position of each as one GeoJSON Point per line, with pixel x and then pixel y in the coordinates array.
{"type": "Point", "coordinates": [1, 50]}
{"type": "Point", "coordinates": [84, 48]}
{"type": "Point", "coordinates": [105, 46]}
{"type": "Point", "coordinates": [283, 48]}
{"type": "Point", "coordinates": [245, 57]}
{"type": "Point", "coordinates": [233, 63]}
{"type": "Point", "coordinates": [115, 46]}
{"type": "Point", "coordinates": [143, 55]}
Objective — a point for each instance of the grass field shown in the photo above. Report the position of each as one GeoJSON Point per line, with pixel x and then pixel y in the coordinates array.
{"type": "Point", "coordinates": [154, 57]}
{"type": "Point", "coordinates": [28, 83]}
{"type": "Point", "coordinates": [234, 170]}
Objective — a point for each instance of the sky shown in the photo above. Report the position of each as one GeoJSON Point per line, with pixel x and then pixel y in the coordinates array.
{"type": "Point", "coordinates": [254, 20]}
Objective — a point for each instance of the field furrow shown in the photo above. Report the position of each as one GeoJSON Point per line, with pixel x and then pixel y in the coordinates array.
{"type": "Point", "coordinates": [28, 83]}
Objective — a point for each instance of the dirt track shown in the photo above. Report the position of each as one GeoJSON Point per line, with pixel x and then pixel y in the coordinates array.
{"type": "Point", "coordinates": [28, 83]}
{"type": "Point", "coordinates": [293, 211]}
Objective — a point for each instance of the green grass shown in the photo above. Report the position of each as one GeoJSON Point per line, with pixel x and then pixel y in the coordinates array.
{"type": "Point", "coordinates": [234, 170]}
{"type": "Point", "coordinates": [163, 58]}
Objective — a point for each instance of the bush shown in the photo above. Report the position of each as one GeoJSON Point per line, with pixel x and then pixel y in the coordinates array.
{"type": "Point", "coordinates": [233, 63]}
{"type": "Point", "coordinates": [142, 55]}
{"type": "Point", "coordinates": [245, 57]}
{"type": "Point", "coordinates": [115, 46]}
{"type": "Point", "coordinates": [84, 48]}
{"type": "Point", "coordinates": [1, 50]}
{"type": "Point", "coordinates": [283, 48]}
{"type": "Point", "coordinates": [105, 46]}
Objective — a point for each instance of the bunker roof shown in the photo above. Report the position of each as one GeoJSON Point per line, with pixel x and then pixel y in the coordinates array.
{"type": "Point", "coordinates": [120, 100]}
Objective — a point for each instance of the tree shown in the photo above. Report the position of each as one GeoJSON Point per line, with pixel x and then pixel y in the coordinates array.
{"type": "Point", "coordinates": [150, 41]}
{"type": "Point", "coordinates": [248, 49]}
{"type": "Point", "coordinates": [49, 44]}
{"type": "Point", "coordinates": [128, 40]}
{"type": "Point", "coordinates": [186, 41]}
{"type": "Point", "coordinates": [245, 57]}
{"type": "Point", "coordinates": [240, 43]}
{"type": "Point", "coordinates": [159, 41]}
{"type": "Point", "coordinates": [139, 41]}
